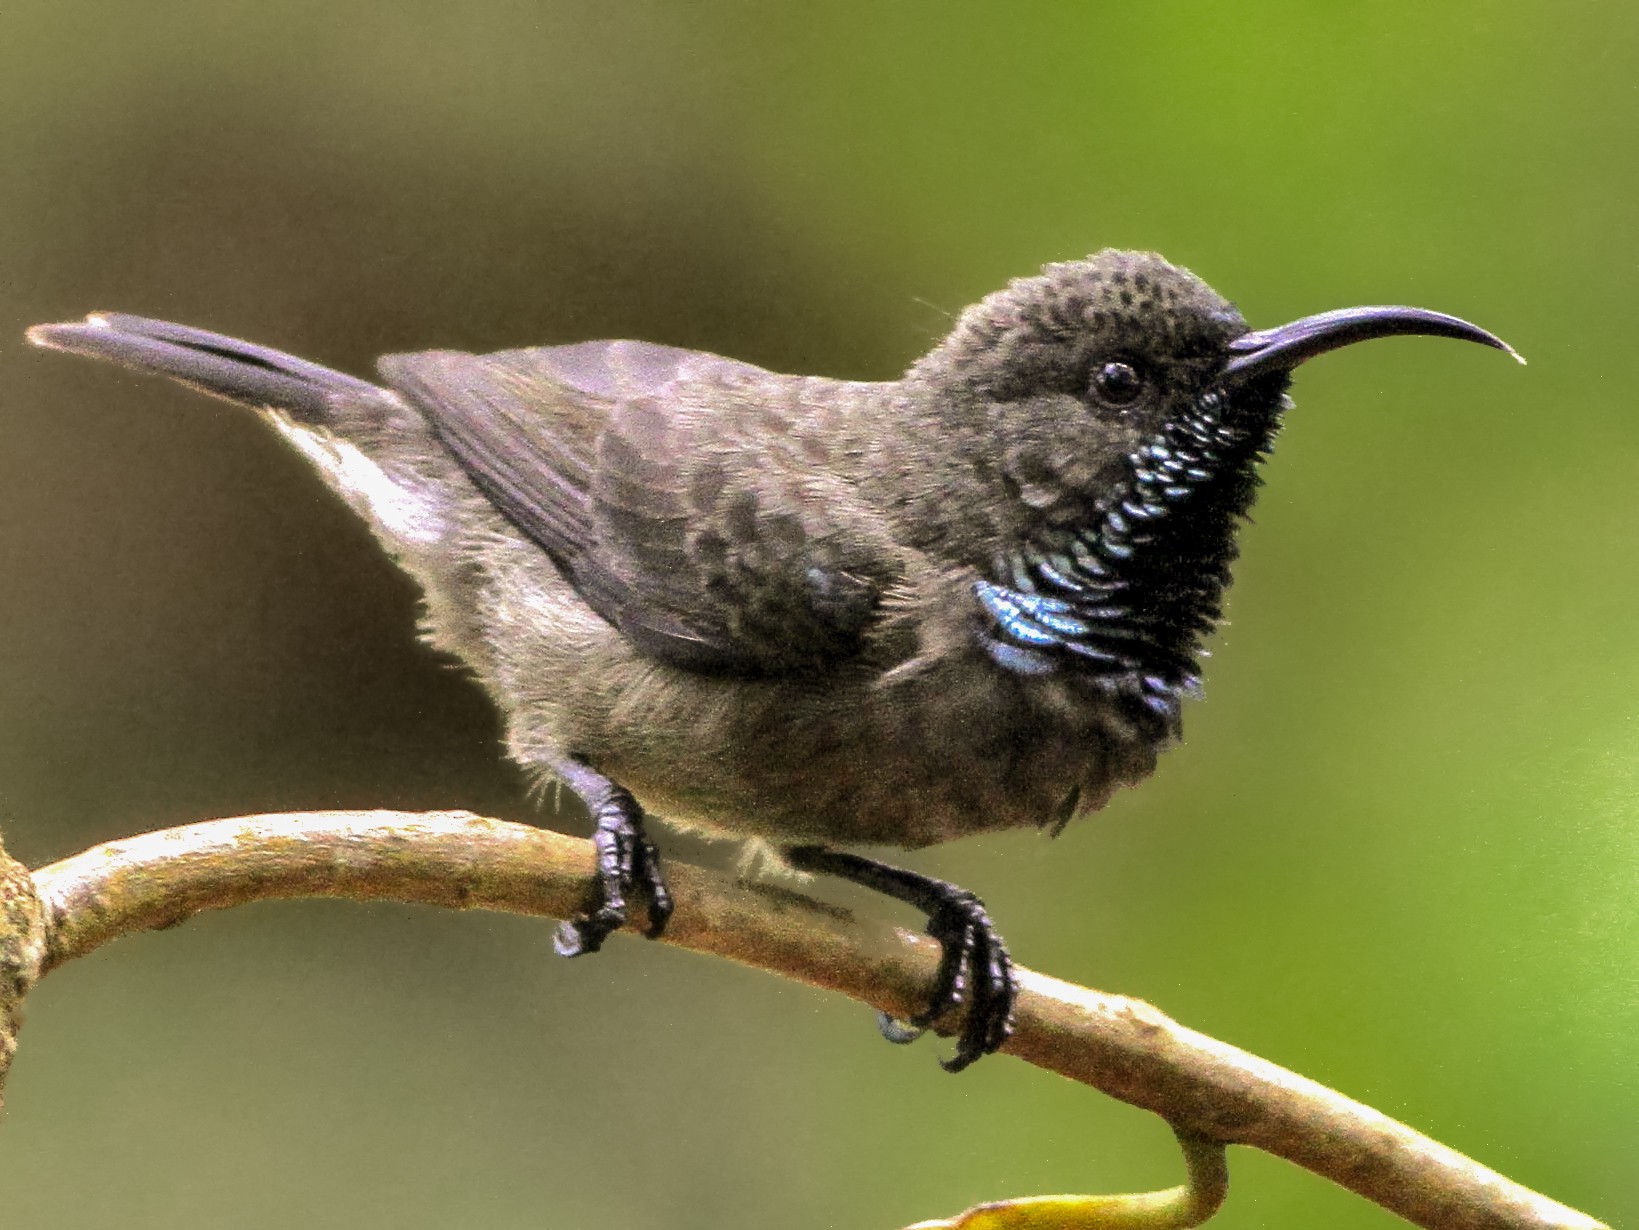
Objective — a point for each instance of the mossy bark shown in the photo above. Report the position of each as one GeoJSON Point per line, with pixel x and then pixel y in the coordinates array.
{"type": "Point", "coordinates": [22, 947]}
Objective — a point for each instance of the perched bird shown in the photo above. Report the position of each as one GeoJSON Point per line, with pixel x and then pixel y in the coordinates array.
{"type": "Point", "coordinates": [814, 612]}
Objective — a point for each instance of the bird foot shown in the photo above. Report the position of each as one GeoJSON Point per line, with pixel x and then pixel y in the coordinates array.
{"type": "Point", "coordinates": [627, 864]}
{"type": "Point", "coordinates": [975, 970]}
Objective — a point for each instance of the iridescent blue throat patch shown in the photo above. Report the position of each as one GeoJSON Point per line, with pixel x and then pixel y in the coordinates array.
{"type": "Point", "coordinates": [1128, 598]}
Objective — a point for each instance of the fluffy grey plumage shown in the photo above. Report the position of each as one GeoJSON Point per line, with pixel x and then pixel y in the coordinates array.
{"type": "Point", "coordinates": [813, 611]}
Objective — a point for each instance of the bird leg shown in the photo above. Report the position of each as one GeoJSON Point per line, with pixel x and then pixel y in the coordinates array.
{"type": "Point", "coordinates": [626, 861]}
{"type": "Point", "coordinates": [974, 968]}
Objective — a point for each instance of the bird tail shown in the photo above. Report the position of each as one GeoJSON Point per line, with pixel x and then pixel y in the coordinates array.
{"type": "Point", "coordinates": [211, 362]}
{"type": "Point", "coordinates": [372, 449]}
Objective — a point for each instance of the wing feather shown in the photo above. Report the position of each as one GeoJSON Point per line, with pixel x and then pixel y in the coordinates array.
{"type": "Point", "coordinates": [649, 476]}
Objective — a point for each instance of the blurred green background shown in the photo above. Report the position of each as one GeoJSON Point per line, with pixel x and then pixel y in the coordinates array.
{"type": "Point", "coordinates": [1399, 850]}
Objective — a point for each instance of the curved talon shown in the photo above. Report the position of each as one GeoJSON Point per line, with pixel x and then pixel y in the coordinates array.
{"type": "Point", "coordinates": [956, 944]}
{"type": "Point", "coordinates": [900, 1033]}
{"type": "Point", "coordinates": [991, 1017]}
{"type": "Point", "coordinates": [577, 937]}
{"type": "Point", "coordinates": [654, 884]}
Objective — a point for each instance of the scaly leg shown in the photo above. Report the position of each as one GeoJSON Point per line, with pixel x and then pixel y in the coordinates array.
{"type": "Point", "coordinates": [627, 861]}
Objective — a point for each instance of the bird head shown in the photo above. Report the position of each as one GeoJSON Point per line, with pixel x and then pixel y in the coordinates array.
{"type": "Point", "coordinates": [1068, 373]}
{"type": "Point", "coordinates": [1116, 409]}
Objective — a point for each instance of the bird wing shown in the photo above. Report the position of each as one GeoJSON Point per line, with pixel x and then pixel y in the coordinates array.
{"type": "Point", "coordinates": [683, 495]}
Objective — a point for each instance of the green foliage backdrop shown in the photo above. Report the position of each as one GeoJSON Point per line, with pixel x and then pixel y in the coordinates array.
{"type": "Point", "coordinates": [1398, 851]}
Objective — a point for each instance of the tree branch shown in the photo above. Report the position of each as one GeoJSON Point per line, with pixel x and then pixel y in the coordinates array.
{"type": "Point", "coordinates": [22, 951]}
{"type": "Point", "coordinates": [1121, 1046]}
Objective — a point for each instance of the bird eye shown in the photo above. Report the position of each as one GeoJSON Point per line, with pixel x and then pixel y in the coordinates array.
{"type": "Point", "coordinates": [1117, 383]}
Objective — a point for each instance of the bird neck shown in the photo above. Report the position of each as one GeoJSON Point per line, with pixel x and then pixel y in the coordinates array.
{"type": "Point", "coordinates": [1125, 598]}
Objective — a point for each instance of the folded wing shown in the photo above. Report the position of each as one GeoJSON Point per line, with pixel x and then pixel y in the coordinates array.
{"type": "Point", "coordinates": [682, 494]}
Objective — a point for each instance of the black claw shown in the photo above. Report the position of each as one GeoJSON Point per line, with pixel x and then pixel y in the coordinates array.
{"type": "Point", "coordinates": [627, 862]}
{"type": "Point", "coordinates": [900, 1033]}
{"type": "Point", "coordinates": [956, 944]}
{"type": "Point", "coordinates": [974, 967]}
{"type": "Point", "coordinates": [648, 870]}
{"type": "Point", "coordinates": [985, 977]}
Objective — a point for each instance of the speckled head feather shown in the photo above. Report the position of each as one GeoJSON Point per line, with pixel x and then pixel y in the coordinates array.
{"type": "Point", "coordinates": [1043, 331]}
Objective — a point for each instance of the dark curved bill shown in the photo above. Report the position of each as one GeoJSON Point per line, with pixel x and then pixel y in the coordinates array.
{"type": "Point", "coordinates": [1282, 349]}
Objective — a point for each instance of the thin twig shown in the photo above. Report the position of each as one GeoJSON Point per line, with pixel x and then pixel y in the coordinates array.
{"type": "Point", "coordinates": [1122, 1046]}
